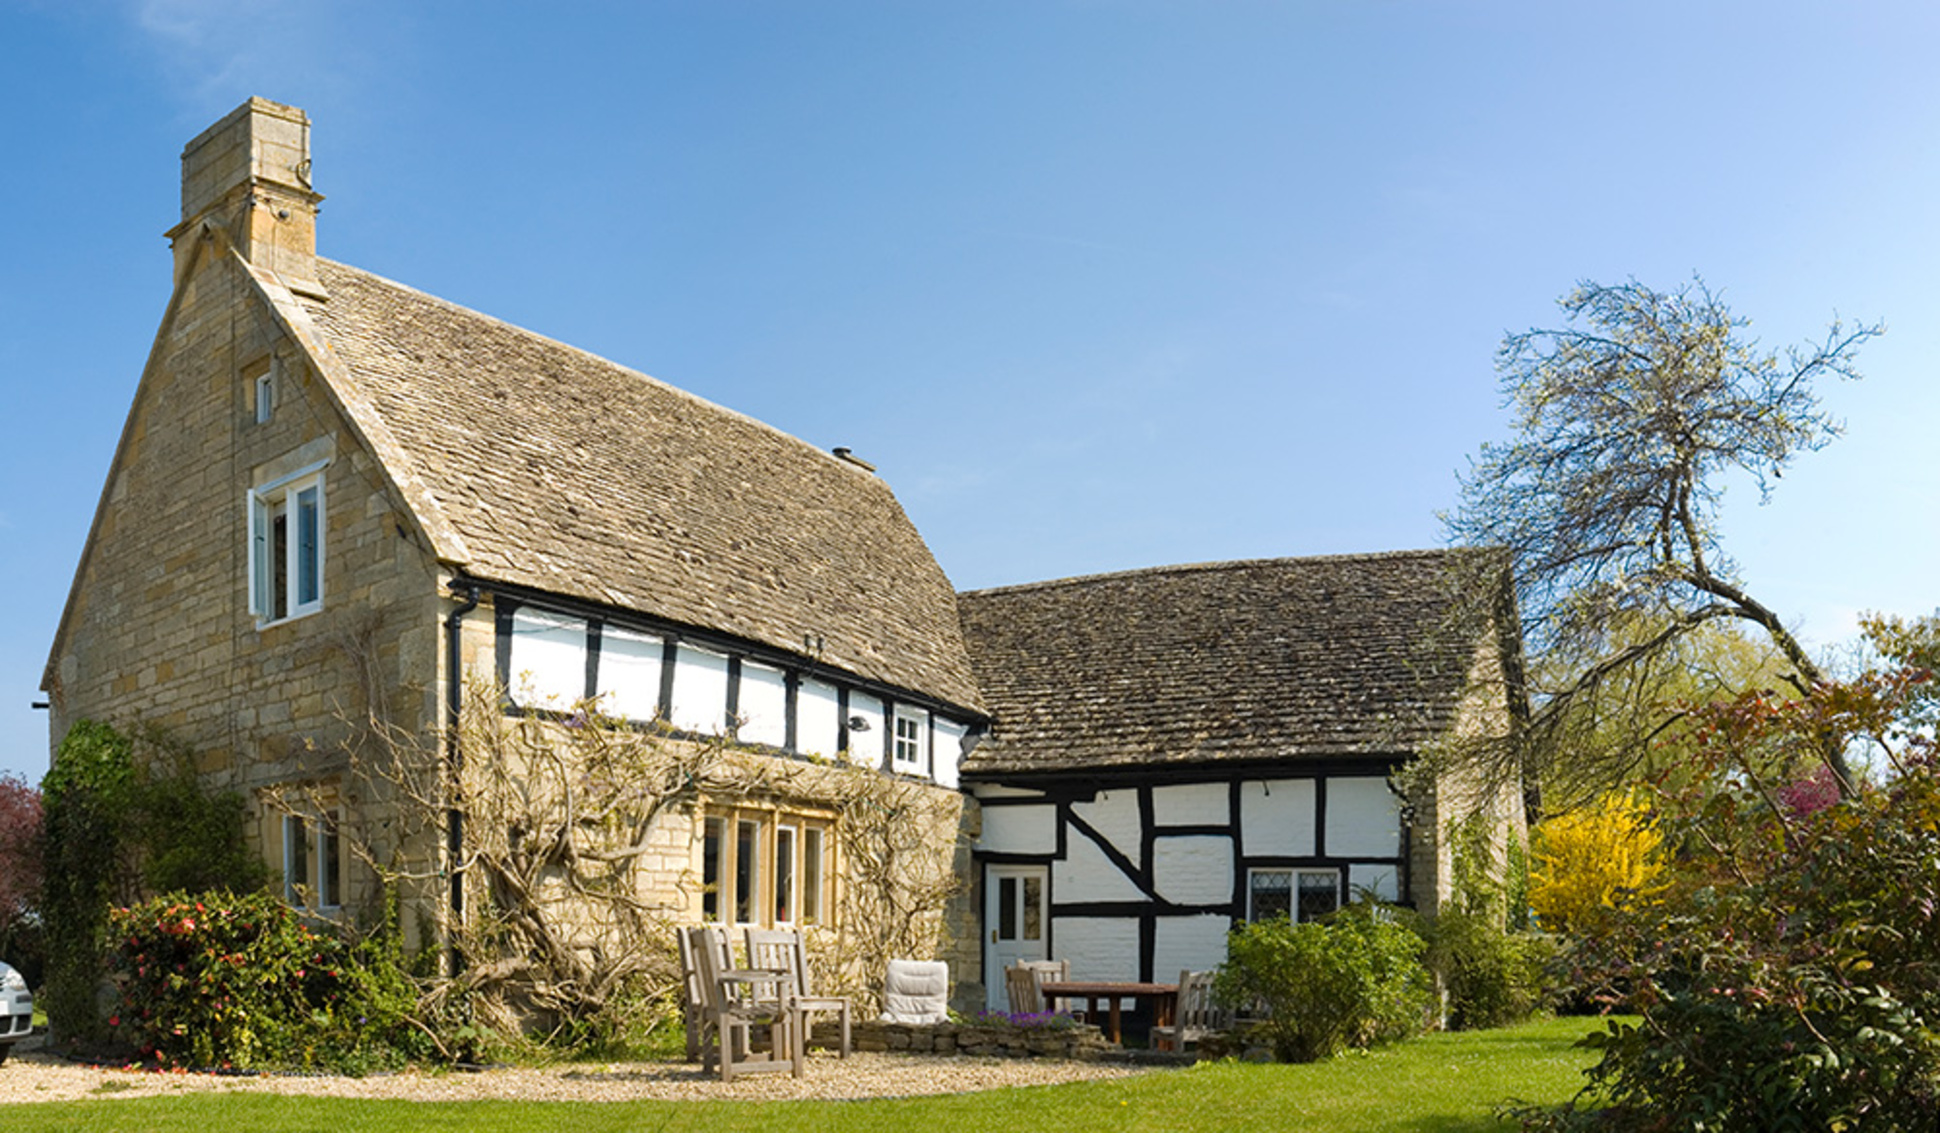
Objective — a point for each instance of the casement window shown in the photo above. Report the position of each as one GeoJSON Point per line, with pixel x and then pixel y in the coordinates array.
{"type": "Point", "coordinates": [312, 861]}
{"type": "Point", "coordinates": [911, 751]}
{"type": "Point", "coordinates": [1297, 894]}
{"type": "Point", "coordinates": [265, 395]}
{"type": "Point", "coordinates": [286, 532]}
{"type": "Point", "coordinates": [766, 868]}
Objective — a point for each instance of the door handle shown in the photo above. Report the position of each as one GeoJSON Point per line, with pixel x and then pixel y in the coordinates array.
{"type": "Point", "coordinates": [993, 936]}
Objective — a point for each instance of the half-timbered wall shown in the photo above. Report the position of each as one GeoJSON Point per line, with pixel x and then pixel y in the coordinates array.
{"type": "Point", "coordinates": [1145, 880]}
{"type": "Point", "coordinates": [550, 660]}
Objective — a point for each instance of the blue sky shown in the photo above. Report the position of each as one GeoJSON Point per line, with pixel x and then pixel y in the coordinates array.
{"type": "Point", "coordinates": [1098, 285]}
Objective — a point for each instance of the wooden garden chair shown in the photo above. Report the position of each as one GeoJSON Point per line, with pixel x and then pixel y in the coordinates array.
{"type": "Point", "coordinates": [1194, 1017]}
{"type": "Point", "coordinates": [736, 1001]}
{"type": "Point", "coordinates": [787, 950]}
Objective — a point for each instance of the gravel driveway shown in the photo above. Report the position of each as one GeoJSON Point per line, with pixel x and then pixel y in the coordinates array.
{"type": "Point", "coordinates": [31, 1075]}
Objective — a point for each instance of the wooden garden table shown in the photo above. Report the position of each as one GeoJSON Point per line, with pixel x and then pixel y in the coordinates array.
{"type": "Point", "coordinates": [1164, 997]}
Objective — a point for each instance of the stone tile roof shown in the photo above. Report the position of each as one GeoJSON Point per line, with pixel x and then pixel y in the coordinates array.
{"type": "Point", "coordinates": [1262, 660]}
{"type": "Point", "coordinates": [561, 471]}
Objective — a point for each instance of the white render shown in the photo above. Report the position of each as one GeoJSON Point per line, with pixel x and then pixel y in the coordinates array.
{"type": "Point", "coordinates": [1115, 815]}
{"type": "Point", "coordinates": [548, 659]}
{"type": "Point", "coordinates": [817, 723]}
{"type": "Point", "coordinates": [1086, 874]}
{"type": "Point", "coordinates": [1099, 948]}
{"type": "Point", "coordinates": [1363, 819]}
{"type": "Point", "coordinates": [865, 743]}
{"type": "Point", "coordinates": [1277, 816]}
{"type": "Point", "coordinates": [1188, 944]}
{"type": "Point", "coordinates": [700, 691]}
{"type": "Point", "coordinates": [947, 752]}
{"type": "Point", "coordinates": [1020, 829]}
{"type": "Point", "coordinates": [1193, 804]}
{"type": "Point", "coordinates": [1193, 868]}
{"type": "Point", "coordinates": [763, 705]}
{"type": "Point", "coordinates": [629, 675]}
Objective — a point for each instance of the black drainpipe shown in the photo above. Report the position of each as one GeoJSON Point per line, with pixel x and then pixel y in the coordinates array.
{"type": "Point", "coordinates": [454, 752]}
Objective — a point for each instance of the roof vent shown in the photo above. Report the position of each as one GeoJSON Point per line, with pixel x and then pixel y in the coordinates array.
{"type": "Point", "coordinates": [852, 458]}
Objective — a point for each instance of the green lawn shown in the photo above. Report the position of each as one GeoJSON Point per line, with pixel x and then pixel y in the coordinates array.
{"type": "Point", "coordinates": [1438, 1084]}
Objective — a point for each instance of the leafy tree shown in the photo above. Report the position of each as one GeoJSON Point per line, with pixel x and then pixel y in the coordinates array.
{"type": "Point", "coordinates": [1790, 979]}
{"type": "Point", "coordinates": [20, 874]}
{"type": "Point", "coordinates": [1589, 862]}
{"type": "Point", "coordinates": [1627, 422]}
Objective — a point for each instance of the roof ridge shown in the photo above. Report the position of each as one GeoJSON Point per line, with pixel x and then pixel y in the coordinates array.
{"type": "Point", "coordinates": [527, 332]}
{"type": "Point", "coordinates": [1223, 564]}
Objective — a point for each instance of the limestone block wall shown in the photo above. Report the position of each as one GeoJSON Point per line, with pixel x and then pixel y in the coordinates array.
{"type": "Point", "coordinates": [158, 631]}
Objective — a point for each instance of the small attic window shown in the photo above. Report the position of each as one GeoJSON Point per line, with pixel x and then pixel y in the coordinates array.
{"type": "Point", "coordinates": [266, 394]}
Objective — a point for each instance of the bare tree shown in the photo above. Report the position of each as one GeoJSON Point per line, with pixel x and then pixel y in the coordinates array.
{"type": "Point", "coordinates": [1627, 421]}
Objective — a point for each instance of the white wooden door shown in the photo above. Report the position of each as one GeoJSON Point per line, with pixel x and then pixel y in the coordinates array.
{"type": "Point", "coordinates": [1016, 919]}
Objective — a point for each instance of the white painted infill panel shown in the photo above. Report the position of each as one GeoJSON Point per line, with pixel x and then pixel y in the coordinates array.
{"type": "Point", "coordinates": [763, 705]}
{"type": "Point", "coordinates": [947, 752]}
{"type": "Point", "coordinates": [817, 727]}
{"type": "Point", "coordinates": [1191, 944]}
{"type": "Point", "coordinates": [1192, 804]}
{"type": "Point", "coordinates": [1086, 874]}
{"type": "Point", "coordinates": [700, 691]}
{"type": "Point", "coordinates": [866, 739]}
{"type": "Point", "coordinates": [1363, 819]}
{"type": "Point", "coordinates": [1378, 878]}
{"type": "Point", "coordinates": [1115, 815]}
{"type": "Point", "coordinates": [1194, 869]}
{"type": "Point", "coordinates": [629, 676]}
{"type": "Point", "coordinates": [1019, 830]}
{"type": "Point", "coordinates": [1098, 948]}
{"type": "Point", "coordinates": [548, 659]}
{"type": "Point", "coordinates": [1277, 818]}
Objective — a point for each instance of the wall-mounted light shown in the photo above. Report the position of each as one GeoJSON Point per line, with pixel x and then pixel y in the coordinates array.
{"type": "Point", "coordinates": [858, 724]}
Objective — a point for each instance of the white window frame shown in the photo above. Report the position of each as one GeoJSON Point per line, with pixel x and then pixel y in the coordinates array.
{"type": "Point", "coordinates": [916, 744]}
{"type": "Point", "coordinates": [310, 844]}
{"type": "Point", "coordinates": [284, 497]}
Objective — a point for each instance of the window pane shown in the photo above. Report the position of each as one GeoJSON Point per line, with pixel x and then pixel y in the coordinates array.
{"type": "Point", "coordinates": [308, 563]}
{"type": "Point", "coordinates": [279, 561]}
{"type": "Point", "coordinates": [1270, 894]}
{"type": "Point", "coordinates": [747, 877]}
{"type": "Point", "coordinates": [1006, 908]}
{"type": "Point", "coordinates": [811, 876]}
{"type": "Point", "coordinates": [329, 863]}
{"type": "Point", "coordinates": [296, 859]}
{"type": "Point", "coordinates": [711, 850]}
{"type": "Point", "coordinates": [1319, 893]}
{"type": "Point", "coordinates": [1033, 908]}
{"type": "Point", "coordinates": [785, 875]}
{"type": "Point", "coordinates": [259, 557]}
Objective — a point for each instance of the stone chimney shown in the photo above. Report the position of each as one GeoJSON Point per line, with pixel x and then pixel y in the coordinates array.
{"type": "Point", "coordinates": [248, 176]}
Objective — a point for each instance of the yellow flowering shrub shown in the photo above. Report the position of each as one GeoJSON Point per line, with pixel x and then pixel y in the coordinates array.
{"type": "Point", "coordinates": [1592, 860]}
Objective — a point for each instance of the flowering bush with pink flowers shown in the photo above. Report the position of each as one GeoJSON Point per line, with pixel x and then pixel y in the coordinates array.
{"type": "Point", "coordinates": [219, 980]}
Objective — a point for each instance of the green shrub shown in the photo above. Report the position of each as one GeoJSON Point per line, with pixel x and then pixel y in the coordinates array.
{"type": "Point", "coordinates": [1353, 980]}
{"type": "Point", "coordinates": [220, 980]}
{"type": "Point", "coordinates": [1494, 977]}
{"type": "Point", "coordinates": [85, 798]}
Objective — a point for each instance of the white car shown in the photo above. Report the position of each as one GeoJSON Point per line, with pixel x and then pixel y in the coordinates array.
{"type": "Point", "coordinates": [16, 1010]}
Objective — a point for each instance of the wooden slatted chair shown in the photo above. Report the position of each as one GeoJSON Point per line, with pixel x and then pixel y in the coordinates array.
{"type": "Point", "coordinates": [694, 999]}
{"type": "Point", "coordinates": [1050, 971]}
{"type": "Point", "coordinates": [788, 950]}
{"type": "Point", "coordinates": [737, 1000]}
{"type": "Point", "coordinates": [1195, 1017]}
{"type": "Point", "coordinates": [1020, 984]}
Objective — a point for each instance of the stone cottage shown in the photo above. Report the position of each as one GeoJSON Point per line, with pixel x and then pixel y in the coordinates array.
{"type": "Point", "coordinates": [339, 499]}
